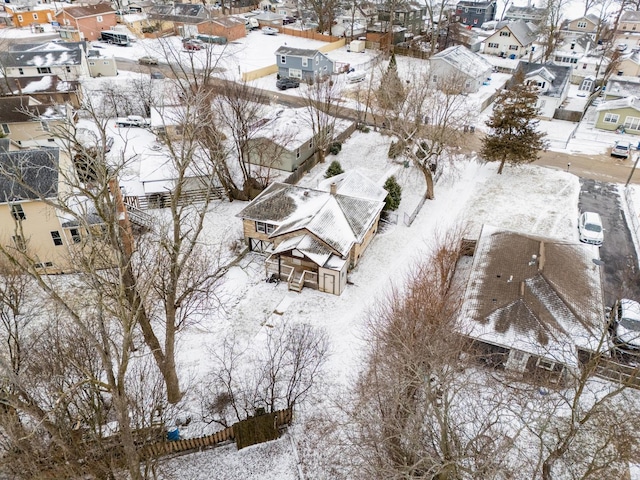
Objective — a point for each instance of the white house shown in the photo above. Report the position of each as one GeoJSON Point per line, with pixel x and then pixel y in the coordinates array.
{"type": "Point", "coordinates": [552, 82]}
{"type": "Point", "coordinates": [512, 40]}
{"type": "Point", "coordinates": [66, 60]}
{"type": "Point", "coordinates": [460, 62]}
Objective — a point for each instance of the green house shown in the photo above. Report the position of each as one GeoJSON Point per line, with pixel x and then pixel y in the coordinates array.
{"type": "Point", "coordinates": [623, 113]}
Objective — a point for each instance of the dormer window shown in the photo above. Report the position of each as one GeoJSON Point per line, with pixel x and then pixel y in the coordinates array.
{"type": "Point", "coordinates": [505, 34]}
{"type": "Point", "coordinates": [582, 25]}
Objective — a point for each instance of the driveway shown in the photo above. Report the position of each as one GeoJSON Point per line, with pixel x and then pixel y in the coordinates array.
{"type": "Point", "coordinates": [621, 275]}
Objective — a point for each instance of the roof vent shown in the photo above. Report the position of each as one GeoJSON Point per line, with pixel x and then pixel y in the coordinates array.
{"type": "Point", "coordinates": [333, 188]}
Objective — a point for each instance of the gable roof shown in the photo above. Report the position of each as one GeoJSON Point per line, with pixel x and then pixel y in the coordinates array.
{"type": "Point", "coordinates": [627, 102]}
{"type": "Point", "coordinates": [630, 16]}
{"type": "Point", "coordinates": [49, 54]}
{"type": "Point", "coordinates": [539, 295]}
{"type": "Point", "coordinates": [337, 220]}
{"type": "Point", "coordinates": [557, 75]}
{"type": "Point", "coordinates": [354, 184]}
{"type": "Point", "coordinates": [623, 86]}
{"type": "Point", "coordinates": [87, 10]}
{"type": "Point", "coordinates": [38, 84]}
{"type": "Point", "coordinates": [17, 109]}
{"type": "Point", "coordinates": [532, 12]}
{"type": "Point", "coordinates": [474, 4]}
{"type": "Point", "coordinates": [463, 59]}
{"type": "Point", "coordinates": [298, 52]}
{"type": "Point", "coordinates": [583, 41]}
{"type": "Point", "coordinates": [521, 30]}
{"type": "Point", "coordinates": [179, 12]}
{"type": "Point", "coordinates": [28, 174]}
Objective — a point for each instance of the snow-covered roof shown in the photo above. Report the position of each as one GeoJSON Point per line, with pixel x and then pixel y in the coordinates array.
{"type": "Point", "coordinates": [540, 295]}
{"type": "Point", "coordinates": [311, 247]}
{"type": "Point", "coordinates": [464, 60]}
{"type": "Point", "coordinates": [557, 76]}
{"type": "Point", "coordinates": [297, 52]}
{"type": "Point", "coordinates": [623, 86]}
{"type": "Point", "coordinates": [521, 30]}
{"type": "Point", "coordinates": [627, 102]}
{"type": "Point", "coordinates": [337, 220]}
{"type": "Point", "coordinates": [288, 127]}
{"type": "Point", "coordinates": [354, 184]}
{"type": "Point", "coordinates": [48, 54]}
{"type": "Point", "coordinates": [630, 16]}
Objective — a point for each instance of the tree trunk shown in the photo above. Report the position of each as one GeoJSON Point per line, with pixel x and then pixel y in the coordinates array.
{"type": "Point", "coordinates": [502, 162]}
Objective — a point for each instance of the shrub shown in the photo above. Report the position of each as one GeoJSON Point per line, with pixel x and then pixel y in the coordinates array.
{"type": "Point", "coordinates": [334, 169]}
{"type": "Point", "coordinates": [335, 148]}
{"type": "Point", "coordinates": [392, 201]}
{"type": "Point", "coordinates": [396, 149]}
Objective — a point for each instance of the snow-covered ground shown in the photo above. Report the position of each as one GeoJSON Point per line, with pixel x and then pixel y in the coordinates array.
{"type": "Point", "coordinates": [528, 199]}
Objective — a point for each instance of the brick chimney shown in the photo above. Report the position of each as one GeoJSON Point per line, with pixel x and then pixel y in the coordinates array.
{"type": "Point", "coordinates": [333, 188]}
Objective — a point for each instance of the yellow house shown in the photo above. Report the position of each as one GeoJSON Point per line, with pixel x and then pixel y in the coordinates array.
{"type": "Point", "coordinates": [29, 220]}
{"type": "Point", "coordinates": [25, 119]}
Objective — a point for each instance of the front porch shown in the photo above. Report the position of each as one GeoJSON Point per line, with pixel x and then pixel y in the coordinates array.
{"type": "Point", "coordinates": [297, 277]}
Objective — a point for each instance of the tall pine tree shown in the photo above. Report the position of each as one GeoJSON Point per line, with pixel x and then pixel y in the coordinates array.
{"type": "Point", "coordinates": [514, 137]}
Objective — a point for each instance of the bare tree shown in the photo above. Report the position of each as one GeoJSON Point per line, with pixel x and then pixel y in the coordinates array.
{"type": "Point", "coordinates": [413, 415]}
{"type": "Point", "coordinates": [550, 30]}
{"type": "Point", "coordinates": [322, 101]}
{"type": "Point", "coordinates": [428, 122]}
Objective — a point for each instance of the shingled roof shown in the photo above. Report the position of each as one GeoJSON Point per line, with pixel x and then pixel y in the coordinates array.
{"type": "Point", "coordinates": [48, 54]}
{"type": "Point", "coordinates": [28, 174]}
{"type": "Point", "coordinates": [17, 109]}
{"type": "Point", "coordinates": [539, 295]}
{"type": "Point", "coordinates": [337, 220]}
{"type": "Point", "coordinates": [297, 52]}
{"type": "Point", "coordinates": [81, 11]}
{"type": "Point", "coordinates": [558, 76]}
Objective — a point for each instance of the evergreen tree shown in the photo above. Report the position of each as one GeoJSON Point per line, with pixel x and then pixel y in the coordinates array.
{"type": "Point", "coordinates": [334, 169]}
{"type": "Point", "coordinates": [514, 138]}
{"type": "Point", "coordinates": [393, 198]}
{"type": "Point", "coordinates": [391, 92]}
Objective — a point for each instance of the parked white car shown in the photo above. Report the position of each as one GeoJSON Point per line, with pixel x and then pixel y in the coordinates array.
{"type": "Point", "coordinates": [625, 323]}
{"type": "Point", "coordinates": [133, 121]}
{"type": "Point", "coordinates": [622, 149]}
{"type": "Point", "coordinates": [590, 228]}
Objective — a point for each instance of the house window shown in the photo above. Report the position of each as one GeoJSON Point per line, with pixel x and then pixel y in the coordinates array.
{"type": "Point", "coordinates": [475, 21]}
{"type": "Point", "coordinates": [17, 212]}
{"type": "Point", "coordinates": [311, 143]}
{"type": "Point", "coordinates": [632, 123]}
{"type": "Point", "coordinates": [297, 153]}
{"type": "Point", "coordinates": [75, 235]}
{"type": "Point", "coordinates": [478, 10]}
{"type": "Point", "coordinates": [44, 70]}
{"type": "Point", "coordinates": [611, 118]}
{"type": "Point", "coordinates": [584, 67]}
{"type": "Point", "coordinates": [305, 62]}
{"type": "Point", "coordinates": [67, 21]}
{"type": "Point", "coordinates": [582, 25]}
{"type": "Point", "coordinates": [283, 59]}
{"type": "Point", "coordinates": [464, 20]}
{"type": "Point", "coordinates": [20, 18]}
{"type": "Point", "coordinates": [494, 45]}
{"type": "Point", "coordinates": [466, 10]}
{"type": "Point", "coordinates": [44, 264]}
{"type": "Point", "coordinates": [68, 69]}
{"type": "Point", "coordinates": [106, 62]}
{"type": "Point", "coordinates": [18, 241]}
{"type": "Point", "coordinates": [5, 129]}
{"type": "Point", "coordinates": [434, 78]}
{"type": "Point", "coordinates": [35, 16]}
{"type": "Point", "coordinates": [505, 34]}
{"type": "Point", "coordinates": [575, 60]}
{"type": "Point", "coordinates": [513, 47]}
{"type": "Point", "coordinates": [546, 364]}
{"type": "Point", "coordinates": [295, 73]}
{"type": "Point", "coordinates": [573, 46]}
{"type": "Point", "coordinates": [99, 18]}
{"type": "Point", "coordinates": [20, 71]}
{"type": "Point", "coordinates": [263, 227]}
{"type": "Point", "coordinates": [57, 239]}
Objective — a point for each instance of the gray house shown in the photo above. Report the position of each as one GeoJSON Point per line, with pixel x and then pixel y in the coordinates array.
{"type": "Point", "coordinates": [459, 64]}
{"type": "Point", "coordinates": [302, 63]}
{"type": "Point", "coordinates": [470, 12]}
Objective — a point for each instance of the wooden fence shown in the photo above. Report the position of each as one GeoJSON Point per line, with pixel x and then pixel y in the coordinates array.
{"type": "Point", "coordinates": [310, 34]}
{"type": "Point", "coordinates": [283, 418]}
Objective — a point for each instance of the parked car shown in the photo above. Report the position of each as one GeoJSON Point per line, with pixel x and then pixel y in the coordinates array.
{"type": "Point", "coordinates": [354, 76]}
{"type": "Point", "coordinates": [590, 228]}
{"type": "Point", "coordinates": [193, 45]}
{"type": "Point", "coordinates": [133, 121]}
{"type": "Point", "coordinates": [269, 30]}
{"type": "Point", "coordinates": [157, 75]}
{"type": "Point", "coordinates": [288, 20]}
{"type": "Point", "coordinates": [625, 324]}
{"type": "Point", "coordinates": [284, 83]}
{"type": "Point", "coordinates": [621, 149]}
{"type": "Point", "coordinates": [146, 60]}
